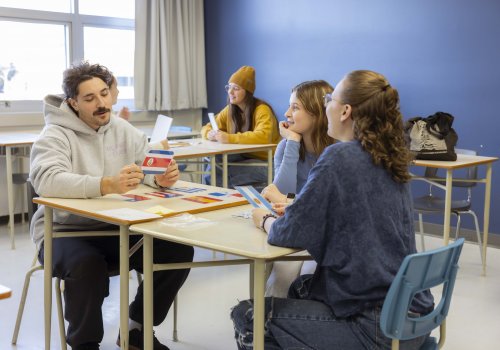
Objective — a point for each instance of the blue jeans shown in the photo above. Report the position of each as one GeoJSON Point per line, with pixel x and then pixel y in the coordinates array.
{"type": "Point", "coordinates": [296, 323]}
{"type": "Point", "coordinates": [240, 175]}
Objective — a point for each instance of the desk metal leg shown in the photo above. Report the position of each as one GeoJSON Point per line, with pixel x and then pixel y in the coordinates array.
{"type": "Point", "coordinates": [124, 276]}
{"type": "Point", "coordinates": [213, 174]}
{"type": "Point", "coordinates": [258, 304]}
{"type": "Point", "coordinates": [47, 273]}
{"type": "Point", "coordinates": [486, 218]}
{"type": "Point", "coordinates": [224, 170]}
{"type": "Point", "coordinates": [148, 291]}
{"type": "Point", "coordinates": [447, 206]}
{"type": "Point", "coordinates": [269, 166]}
{"type": "Point", "coordinates": [10, 193]}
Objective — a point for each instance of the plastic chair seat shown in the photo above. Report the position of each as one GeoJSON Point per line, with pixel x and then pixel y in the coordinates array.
{"type": "Point", "coordinates": [437, 204]}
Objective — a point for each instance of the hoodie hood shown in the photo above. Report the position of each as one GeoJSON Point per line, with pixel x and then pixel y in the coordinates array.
{"type": "Point", "coordinates": [56, 111]}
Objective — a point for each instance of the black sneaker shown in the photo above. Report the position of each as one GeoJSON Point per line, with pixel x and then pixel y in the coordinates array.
{"type": "Point", "coordinates": [86, 346]}
{"type": "Point", "coordinates": [136, 341]}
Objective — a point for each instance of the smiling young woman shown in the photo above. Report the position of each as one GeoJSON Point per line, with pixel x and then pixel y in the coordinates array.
{"type": "Point", "coordinates": [304, 138]}
{"type": "Point", "coordinates": [246, 120]}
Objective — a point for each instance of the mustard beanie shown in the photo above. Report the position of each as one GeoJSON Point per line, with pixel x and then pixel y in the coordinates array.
{"type": "Point", "coordinates": [244, 77]}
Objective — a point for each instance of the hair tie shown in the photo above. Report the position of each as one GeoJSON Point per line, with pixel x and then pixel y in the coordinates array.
{"type": "Point", "coordinates": [386, 87]}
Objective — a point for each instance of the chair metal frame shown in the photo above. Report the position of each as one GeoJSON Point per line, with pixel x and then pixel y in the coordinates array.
{"type": "Point", "coordinates": [35, 266]}
{"type": "Point", "coordinates": [431, 204]}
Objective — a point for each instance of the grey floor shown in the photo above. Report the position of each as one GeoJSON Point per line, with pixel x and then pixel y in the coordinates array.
{"type": "Point", "coordinates": [209, 293]}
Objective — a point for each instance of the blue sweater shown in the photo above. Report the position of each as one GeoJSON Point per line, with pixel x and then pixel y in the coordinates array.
{"type": "Point", "coordinates": [290, 172]}
{"type": "Point", "coordinates": [357, 224]}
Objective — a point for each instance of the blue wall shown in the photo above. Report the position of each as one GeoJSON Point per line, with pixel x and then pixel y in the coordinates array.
{"type": "Point", "coordinates": [441, 55]}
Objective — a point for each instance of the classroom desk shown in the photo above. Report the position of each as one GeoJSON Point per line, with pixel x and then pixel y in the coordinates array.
{"type": "Point", "coordinates": [11, 141]}
{"type": "Point", "coordinates": [5, 292]}
{"type": "Point", "coordinates": [172, 135]}
{"type": "Point", "coordinates": [228, 234]}
{"type": "Point", "coordinates": [92, 208]}
{"type": "Point", "coordinates": [200, 148]}
{"type": "Point", "coordinates": [464, 161]}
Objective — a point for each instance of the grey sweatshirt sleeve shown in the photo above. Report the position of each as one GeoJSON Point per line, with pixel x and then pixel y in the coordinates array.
{"type": "Point", "coordinates": [51, 172]}
{"type": "Point", "coordinates": [286, 159]}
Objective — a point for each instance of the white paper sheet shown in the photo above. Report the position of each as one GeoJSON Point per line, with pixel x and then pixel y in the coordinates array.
{"type": "Point", "coordinates": [161, 129]}
{"type": "Point", "coordinates": [213, 122]}
{"type": "Point", "coordinates": [129, 214]}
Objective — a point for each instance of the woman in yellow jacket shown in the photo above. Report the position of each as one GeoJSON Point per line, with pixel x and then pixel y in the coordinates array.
{"type": "Point", "coordinates": [245, 120]}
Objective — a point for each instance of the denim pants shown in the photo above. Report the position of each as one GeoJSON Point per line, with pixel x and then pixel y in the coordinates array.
{"type": "Point", "coordinates": [296, 323]}
{"type": "Point", "coordinates": [240, 175]}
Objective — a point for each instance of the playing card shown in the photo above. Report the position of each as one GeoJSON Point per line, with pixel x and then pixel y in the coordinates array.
{"type": "Point", "coordinates": [157, 161]}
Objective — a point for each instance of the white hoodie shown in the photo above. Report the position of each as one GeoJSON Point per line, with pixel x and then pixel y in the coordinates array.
{"type": "Point", "coordinates": [69, 159]}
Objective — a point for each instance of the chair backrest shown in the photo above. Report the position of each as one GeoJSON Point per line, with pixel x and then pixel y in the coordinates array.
{"type": "Point", "coordinates": [419, 272]}
{"type": "Point", "coordinates": [470, 172]}
{"type": "Point", "coordinates": [30, 192]}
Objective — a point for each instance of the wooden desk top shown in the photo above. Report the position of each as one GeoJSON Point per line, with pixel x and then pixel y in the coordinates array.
{"type": "Point", "coordinates": [17, 139]}
{"type": "Point", "coordinates": [463, 161]}
{"type": "Point", "coordinates": [92, 208]}
{"type": "Point", "coordinates": [5, 292]}
{"type": "Point", "coordinates": [232, 147]}
{"type": "Point", "coordinates": [199, 148]}
{"type": "Point", "coordinates": [228, 234]}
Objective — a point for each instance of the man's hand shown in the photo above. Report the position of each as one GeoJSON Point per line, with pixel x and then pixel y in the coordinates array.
{"type": "Point", "coordinates": [128, 179]}
{"type": "Point", "coordinates": [273, 195]}
{"type": "Point", "coordinates": [170, 176]}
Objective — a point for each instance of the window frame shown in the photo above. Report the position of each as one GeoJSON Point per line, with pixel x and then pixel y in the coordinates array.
{"type": "Point", "coordinates": [75, 24]}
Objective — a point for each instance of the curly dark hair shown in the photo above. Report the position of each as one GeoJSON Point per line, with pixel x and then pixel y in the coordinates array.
{"type": "Point", "coordinates": [310, 94]}
{"type": "Point", "coordinates": [74, 76]}
{"type": "Point", "coordinates": [378, 123]}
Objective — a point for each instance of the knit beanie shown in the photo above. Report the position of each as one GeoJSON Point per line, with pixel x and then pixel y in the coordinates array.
{"type": "Point", "coordinates": [244, 77]}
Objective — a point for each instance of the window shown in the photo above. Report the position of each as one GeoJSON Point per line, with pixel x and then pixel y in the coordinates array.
{"type": "Point", "coordinates": [113, 48]}
{"type": "Point", "coordinates": [45, 5]}
{"type": "Point", "coordinates": [47, 36]}
{"type": "Point", "coordinates": [109, 8]}
{"type": "Point", "coordinates": [31, 59]}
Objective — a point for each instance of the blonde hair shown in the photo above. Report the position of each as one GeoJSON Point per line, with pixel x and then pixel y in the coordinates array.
{"type": "Point", "coordinates": [310, 94]}
{"type": "Point", "coordinates": [378, 124]}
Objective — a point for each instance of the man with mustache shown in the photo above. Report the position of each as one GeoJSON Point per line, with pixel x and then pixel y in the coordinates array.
{"type": "Point", "coordinates": [84, 152]}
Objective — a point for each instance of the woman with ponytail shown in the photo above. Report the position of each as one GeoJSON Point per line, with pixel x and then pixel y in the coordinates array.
{"type": "Point", "coordinates": [354, 217]}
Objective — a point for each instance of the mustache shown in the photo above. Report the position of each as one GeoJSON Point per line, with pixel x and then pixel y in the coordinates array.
{"type": "Point", "coordinates": [102, 110]}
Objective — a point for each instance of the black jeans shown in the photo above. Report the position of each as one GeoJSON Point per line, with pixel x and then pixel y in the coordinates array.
{"type": "Point", "coordinates": [85, 264]}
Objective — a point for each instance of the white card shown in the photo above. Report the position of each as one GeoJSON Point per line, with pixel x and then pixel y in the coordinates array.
{"type": "Point", "coordinates": [213, 122]}
{"type": "Point", "coordinates": [161, 129]}
{"type": "Point", "coordinates": [129, 214]}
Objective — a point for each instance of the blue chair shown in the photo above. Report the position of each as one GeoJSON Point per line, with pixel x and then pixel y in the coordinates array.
{"type": "Point", "coordinates": [419, 272]}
